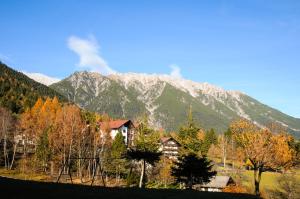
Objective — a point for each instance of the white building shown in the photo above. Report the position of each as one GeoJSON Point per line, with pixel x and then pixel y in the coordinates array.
{"type": "Point", "coordinates": [169, 147]}
{"type": "Point", "coordinates": [126, 127]}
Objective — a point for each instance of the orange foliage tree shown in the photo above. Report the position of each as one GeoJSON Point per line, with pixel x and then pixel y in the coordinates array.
{"type": "Point", "coordinates": [264, 149]}
{"type": "Point", "coordinates": [36, 125]}
{"type": "Point", "coordinates": [64, 140]}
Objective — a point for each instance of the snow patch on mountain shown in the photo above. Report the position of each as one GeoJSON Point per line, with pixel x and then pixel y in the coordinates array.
{"type": "Point", "coordinates": [282, 123]}
{"type": "Point", "coordinates": [191, 87]}
{"type": "Point", "coordinates": [207, 93]}
{"type": "Point", "coordinates": [151, 86]}
{"type": "Point", "coordinates": [41, 78]}
{"type": "Point", "coordinates": [145, 90]}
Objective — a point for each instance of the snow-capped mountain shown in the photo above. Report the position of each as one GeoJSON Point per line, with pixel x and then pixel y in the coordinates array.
{"type": "Point", "coordinates": [166, 100]}
{"type": "Point", "coordinates": [41, 78]}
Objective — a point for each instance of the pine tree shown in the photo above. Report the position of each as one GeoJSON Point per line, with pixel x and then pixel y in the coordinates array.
{"type": "Point", "coordinates": [188, 134]}
{"type": "Point", "coordinates": [43, 151]}
{"type": "Point", "coordinates": [118, 151]}
{"type": "Point", "coordinates": [209, 139]}
{"type": "Point", "coordinates": [146, 148]}
{"type": "Point", "coordinates": [191, 169]}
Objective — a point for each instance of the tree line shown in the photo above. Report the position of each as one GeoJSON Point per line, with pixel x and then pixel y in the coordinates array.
{"type": "Point", "coordinates": [59, 138]}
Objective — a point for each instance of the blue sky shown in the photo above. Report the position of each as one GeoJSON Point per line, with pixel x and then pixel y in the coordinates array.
{"type": "Point", "coordinates": [251, 46]}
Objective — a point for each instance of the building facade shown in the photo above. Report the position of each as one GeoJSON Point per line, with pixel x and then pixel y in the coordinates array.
{"type": "Point", "coordinates": [126, 127]}
{"type": "Point", "coordinates": [169, 147]}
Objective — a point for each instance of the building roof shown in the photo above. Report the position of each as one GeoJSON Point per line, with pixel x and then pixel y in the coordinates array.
{"type": "Point", "coordinates": [218, 182]}
{"type": "Point", "coordinates": [165, 139]}
{"type": "Point", "coordinates": [116, 123]}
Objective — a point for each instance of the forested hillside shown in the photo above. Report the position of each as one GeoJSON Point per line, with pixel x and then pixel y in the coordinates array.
{"type": "Point", "coordinates": [18, 92]}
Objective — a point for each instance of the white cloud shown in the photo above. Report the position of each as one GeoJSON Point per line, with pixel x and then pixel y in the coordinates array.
{"type": "Point", "coordinates": [175, 71]}
{"type": "Point", "coordinates": [89, 54]}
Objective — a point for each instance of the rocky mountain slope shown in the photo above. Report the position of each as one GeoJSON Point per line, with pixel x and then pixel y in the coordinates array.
{"type": "Point", "coordinates": [166, 100]}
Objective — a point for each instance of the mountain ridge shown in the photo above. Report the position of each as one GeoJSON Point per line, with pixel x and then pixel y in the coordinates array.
{"type": "Point", "coordinates": [166, 100]}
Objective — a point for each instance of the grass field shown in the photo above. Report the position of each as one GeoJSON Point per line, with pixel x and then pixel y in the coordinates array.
{"type": "Point", "coordinates": [24, 176]}
{"type": "Point", "coordinates": [13, 188]}
{"type": "Point", "coordinates": [268, 180]}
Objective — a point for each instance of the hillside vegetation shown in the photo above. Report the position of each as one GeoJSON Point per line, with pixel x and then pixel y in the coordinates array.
{"type": "Point", "coordinates": [18, 92]}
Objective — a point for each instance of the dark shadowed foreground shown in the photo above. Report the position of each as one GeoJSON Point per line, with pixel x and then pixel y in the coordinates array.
{"type": "Point", "coordinates": [12, 188]}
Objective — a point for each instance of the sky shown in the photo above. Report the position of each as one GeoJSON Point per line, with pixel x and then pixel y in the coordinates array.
{"type": "Point", "coordinates": [250, 46]}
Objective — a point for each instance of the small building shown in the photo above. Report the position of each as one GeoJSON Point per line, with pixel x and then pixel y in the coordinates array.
{"type": "Point", "coordinates": [169, 147]}
{"type": "Point", "coordinates": [126, 127]}
{"type": "Point", "coordinates": [21, 140]}
{"type": "Point", "coordinates": [216, 184]}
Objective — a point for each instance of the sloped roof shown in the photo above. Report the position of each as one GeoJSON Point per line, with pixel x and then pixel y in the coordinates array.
{"type": "Point", "coordinates": [218, 182]}
{"type": "Point", "coordinates": [116, 123]}
{"type": "Point", "coordinates": [165, 139]}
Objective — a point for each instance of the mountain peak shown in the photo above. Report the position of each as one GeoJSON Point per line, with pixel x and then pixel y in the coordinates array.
{"type": "Point", "coordinates": [193, 88]}
{"type": "Point", "coordinates": [166, 99]}
{"type": "Point", "coordinates": [86, 73]}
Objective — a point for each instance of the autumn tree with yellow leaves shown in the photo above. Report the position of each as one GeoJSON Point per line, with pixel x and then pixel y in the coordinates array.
{"type": "Point", "coordinates": [60, 136]}
{"type": "Point", "coordinates": [37, 125]}
{"type": "Point", "coordinates": [263, 148]}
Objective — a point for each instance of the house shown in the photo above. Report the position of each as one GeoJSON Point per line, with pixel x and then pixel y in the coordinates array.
{"type": "Point", "coordinates": [169, 147]}
{"type": "Point", "coordinates": [21, 140]}
{"type": "Point", "coordinates": [126, 127]}
{"type": "Point", "coordinates": [216, 184]}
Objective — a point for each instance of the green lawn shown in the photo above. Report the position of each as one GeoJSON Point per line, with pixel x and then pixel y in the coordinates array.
{"type": "Point", "coordinates": [268, 180]}
{"type": "Point", "coordinates": [13, 188]}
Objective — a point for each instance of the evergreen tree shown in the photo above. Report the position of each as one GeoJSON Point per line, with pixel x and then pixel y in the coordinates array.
{"type": "Point", "coordinates": [191, 170]}
{"type": "Point", "coordinates": [43, 151]}
{"type": "Point", "coordinates": [118, 148]}
{"type": "Point", "coordinates": [187, 135]}
{"type": "Point", "coordinates": [209, 139]}
{"type": "Point", "coordinates": [118, 151]}
{"type": "Point", "coordinates": [228, 134]}
{"type": "Point", "coordinates": [146, 148]}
